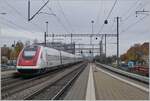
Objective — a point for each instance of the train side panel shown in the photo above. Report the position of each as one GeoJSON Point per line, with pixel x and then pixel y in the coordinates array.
{"type": "Point", "coordinates": [39, 58]}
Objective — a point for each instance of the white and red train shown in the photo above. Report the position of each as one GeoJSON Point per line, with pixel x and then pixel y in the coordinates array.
{"type": "Point", "coordinates": [37, 59]}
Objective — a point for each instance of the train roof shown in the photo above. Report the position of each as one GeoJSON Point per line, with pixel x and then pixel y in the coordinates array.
{"type": "Point", "coordinates": [56, 52]}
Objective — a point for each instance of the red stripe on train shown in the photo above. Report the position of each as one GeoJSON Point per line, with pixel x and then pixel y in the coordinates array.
{"type": "Point", "coordinates": [31, 62]}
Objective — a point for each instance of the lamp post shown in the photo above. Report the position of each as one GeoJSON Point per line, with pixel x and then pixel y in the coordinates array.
{"type": "Point", "coordinates": [105, 22]}
{"type": "Point", "coordinates": [46, 27]}
{"type": "Point", "coordinates": [92, 32]}
{"type": "Point", "coordinates": [118, 41]}
{"type": "Point", "coordinates": [46, 32]}
{"type": "Point", "coordinates": [92, 22]}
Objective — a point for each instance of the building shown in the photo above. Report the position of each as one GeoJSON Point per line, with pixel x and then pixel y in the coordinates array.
{"type": "Point", "coordinates": [145, 57]}
{"type": "Point", "coordinates": [4, 54]}
{"type": "Point", "coordinates": [4, 51]}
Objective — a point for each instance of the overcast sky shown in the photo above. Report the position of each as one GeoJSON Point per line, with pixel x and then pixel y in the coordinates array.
{"type": "Point", "coordinates": [74, 16]}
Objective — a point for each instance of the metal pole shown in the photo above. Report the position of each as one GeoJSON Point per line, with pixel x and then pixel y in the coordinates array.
{"type": "Point", "coordinates": [45, 38]}
{"type": "Point", "coordinates": [52, 38]}
{"type": "Point", "coordinates": [71, 38]}
{"type": "Point", "coordinates": [92, 27]}
{"type": "Point", "coordinates": [105, 45]}
{"type": "Point", "coordinates": [46, 27]}
{"type": "Point", "coordinates": [118, 41]}
{"type": "Point", "coordinates": [105, 48]}
{"type": "Point", "coordinates": [28, 10]}
{"type": "Point", "coordinates": [92, 32]}
{"type": "Point", "coordinates": [30, 18]}
{"type": "Point", "coordinates": [46, 33]}
{"type": "Point", "coordinates": [91, 39]}
{"type": "Point", "coordinates": [100, 48]}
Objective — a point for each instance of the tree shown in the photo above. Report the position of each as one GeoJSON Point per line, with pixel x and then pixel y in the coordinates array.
{"type": "Point", "coordinates": [136, 53]}
{"type": "Point", "coordinates": [18, 48]}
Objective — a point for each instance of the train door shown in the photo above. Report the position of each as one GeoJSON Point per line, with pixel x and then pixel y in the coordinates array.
{"type": "Point", "coordinates": [43, 58]}
{"type": "Point", "coordinates": [61, 59]}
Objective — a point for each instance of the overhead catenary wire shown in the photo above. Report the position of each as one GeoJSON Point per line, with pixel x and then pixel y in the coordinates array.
{"type": "Point", "coordinates": [126, 18]}
{"type": "Point", "coordinates": [63, 13]}
{"type": "Point", "coordinates": [111, 9]}
{"type": "Point", "coordinates": [99, 12]}
{"type": "Point", "coordinates": [133, 24]}
{"type": "Point", "coordinates": [143, 4]}
{"type": "Point", "coordinates": [126, 12]}
{"type": "Point", "coordinates": [9, 24]}
{"type": "Point", "coordinates": [17, 12]}
{"type": "Point", "coordinates": [14, 24]}
{"type": "Point", "coordinates": [57, 18]}
{"type": "Point", "coordinates": [130, 8]}
{"type": "Point", "coordinates": [108, 16]}
{"type": "Point", "coordinates": [129, 11]}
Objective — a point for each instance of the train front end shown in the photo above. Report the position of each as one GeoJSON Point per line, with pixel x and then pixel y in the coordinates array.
{"type": "Point", "coordinates": [28, 60]}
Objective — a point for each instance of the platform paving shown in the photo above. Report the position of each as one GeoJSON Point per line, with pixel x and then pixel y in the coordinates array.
{"type": "Point", "coordinates": [110, 88]}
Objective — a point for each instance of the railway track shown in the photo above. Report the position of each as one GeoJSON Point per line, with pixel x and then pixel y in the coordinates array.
{"type": "Point", "coordinates": [56, 90]}
{"type": "Point", "coordinates": [27, 88]}
{"type": "Point", "coordinates": [9, 81]}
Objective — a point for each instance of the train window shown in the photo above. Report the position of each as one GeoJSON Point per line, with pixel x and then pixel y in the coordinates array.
{"type": "Point", "coordinates": [29, 52]}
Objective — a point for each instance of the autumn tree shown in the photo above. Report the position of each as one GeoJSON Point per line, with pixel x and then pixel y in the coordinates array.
{"type": "Point", "coordinates": [18, 48]}
{"type": "Point", "coordinates": [136, 53]}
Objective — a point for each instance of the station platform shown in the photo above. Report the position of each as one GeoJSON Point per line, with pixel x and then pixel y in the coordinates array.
{"type": "Point", "coordinates": [96, 83]}
{"type": "Point", "coordinates": [111, 87]}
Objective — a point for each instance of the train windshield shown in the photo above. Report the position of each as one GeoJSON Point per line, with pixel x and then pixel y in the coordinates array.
{"type": "Point", "coordinates": [29, 52]}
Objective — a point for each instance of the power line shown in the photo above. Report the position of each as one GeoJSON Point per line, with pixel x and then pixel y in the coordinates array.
{"type": "Point", "coordinates": [131, 7]}
{"type": "Point", "coordinates": [133, 24]}
{"type": "Point", "coordinates": [65, 15]}
{"type": "Point", "coordinates": [58, 19]}
{"type": "Point", "coordinates": [126, 18]}
{"type": "Point", "coordinates": [131, 15]}
{"type": "Point", "coordinates": [8, 4]}
{"type": "Point", "coordinates": [98, 15]}
{"type": "Point", "coordinates": [12, 23]}
{"type": "Point", "coordinates": [108, 15]}
{"type": "Point", "coordinates": [111, 9]}
{"type": "Point", "coordinates": [144, 5]}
